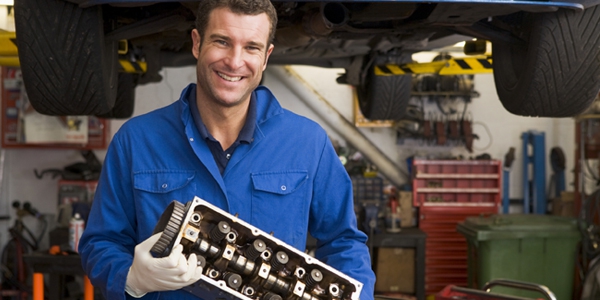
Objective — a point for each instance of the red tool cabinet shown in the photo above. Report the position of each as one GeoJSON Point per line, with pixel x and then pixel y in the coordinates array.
{"type": "Point", "coordinates": [446, 193]}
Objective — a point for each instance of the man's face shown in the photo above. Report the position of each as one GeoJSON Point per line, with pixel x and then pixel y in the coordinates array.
{"type": "Point", "coordinates": [231, 55]}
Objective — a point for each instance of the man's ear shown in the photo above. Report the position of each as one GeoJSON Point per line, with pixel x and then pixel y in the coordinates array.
{"type": "Point", "coordinates": [267, 56]}
{"type": "Point", "coordinates": [196, 43]}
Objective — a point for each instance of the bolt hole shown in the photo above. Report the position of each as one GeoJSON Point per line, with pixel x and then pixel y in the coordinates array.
{"type": "Point", "coordinates": [196, 218]}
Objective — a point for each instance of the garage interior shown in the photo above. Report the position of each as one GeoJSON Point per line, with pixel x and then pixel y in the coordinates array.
{"type": "Point", "coordinates": [446, 209]}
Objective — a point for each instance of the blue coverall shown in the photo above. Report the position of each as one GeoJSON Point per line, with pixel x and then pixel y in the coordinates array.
{"type": "Point", "coordinates": [288, 181]}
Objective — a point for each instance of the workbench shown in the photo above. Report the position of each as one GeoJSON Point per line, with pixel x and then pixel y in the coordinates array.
{"type": "Point", "coordinates": [57, 267]}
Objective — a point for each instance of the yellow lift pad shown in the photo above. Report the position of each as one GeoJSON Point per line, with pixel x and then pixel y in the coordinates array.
{"type": "Point", "coordinates": [454, 66]}
{"type": "Point", "coordinates": [9, 55]}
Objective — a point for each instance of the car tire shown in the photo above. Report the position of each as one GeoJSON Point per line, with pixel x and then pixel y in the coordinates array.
{"type": "Point", "coordinates": [556, 72]}
{"type": "Point", "coordinates": [68, 68]}
{"type": "Point", "coordinates": [384, 97]}
{"type": "Point", "coordinates": [125, 102]}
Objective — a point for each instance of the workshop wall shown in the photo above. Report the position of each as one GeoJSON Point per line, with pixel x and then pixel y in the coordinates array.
{"type": "Point", "coordinates": [498, 130]}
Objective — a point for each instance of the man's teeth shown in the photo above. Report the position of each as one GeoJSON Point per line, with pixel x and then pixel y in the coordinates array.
{"type": "Point", "coordinates": [237, 78]}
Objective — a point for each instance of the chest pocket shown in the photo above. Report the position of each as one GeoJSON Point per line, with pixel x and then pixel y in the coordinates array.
{"type": "Point", "coordinates": [162, 181]}
{"type": "Point", "coordinates": [280, 202]}
{"type": "Point", "coordinates": [280, 183]}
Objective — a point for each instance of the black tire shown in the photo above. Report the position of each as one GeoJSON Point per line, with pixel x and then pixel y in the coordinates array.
{"type": "Point", "coordinates": [556, 73]}
{"type": "Point", "coordinates": [384, 97]}
{"type": "Point", "coordinates": [125, 102]}
{"type": "Point", "coordinates": [67, 67]}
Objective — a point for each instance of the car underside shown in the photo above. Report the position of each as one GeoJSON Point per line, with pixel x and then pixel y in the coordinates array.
{"type": "Point", "coordinates": [354, 36]}
{"type": "Point", "coordinates": [330, 34]}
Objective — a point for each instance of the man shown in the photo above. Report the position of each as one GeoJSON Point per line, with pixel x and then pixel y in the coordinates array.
{"type": "Point", "coordinates": [228, 141]}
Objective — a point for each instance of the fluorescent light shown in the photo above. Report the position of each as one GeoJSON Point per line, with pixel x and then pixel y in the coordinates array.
{"type": "Point", "coordinates": [7, 2]}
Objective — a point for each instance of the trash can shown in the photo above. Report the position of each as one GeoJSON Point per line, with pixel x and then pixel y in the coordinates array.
{"type": "Point", "coordinates": [539, 249]}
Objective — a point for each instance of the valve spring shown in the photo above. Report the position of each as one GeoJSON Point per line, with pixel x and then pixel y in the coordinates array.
{"type": "Point", "coordinates": [255, 249]}
{"type": "Point", "coordinates": [220, 231]}
{"type": "Point", "coordinates": [233, 280]}
{"type": "Point", "coordinates": [201, 261]}
{"type": "Point", "coordinates": [271, 296]}
{"type": "Point", "coordinates": [314, 277]}
{"type": "Point", "coordinates": [279, 260]}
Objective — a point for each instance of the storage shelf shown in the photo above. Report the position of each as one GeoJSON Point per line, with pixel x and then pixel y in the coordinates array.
{"type": "Point", "coordinates": [456, 182]}
{"type": "Point", "coordinates": [456, 176]}
{"type": "Point", "coordinates": [457, 190]}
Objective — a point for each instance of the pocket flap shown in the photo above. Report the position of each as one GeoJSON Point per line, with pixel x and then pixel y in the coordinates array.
{"type": "Point", "coordinates": [162, 181]}
{"type": "Point", "coordinates": [282, 183]}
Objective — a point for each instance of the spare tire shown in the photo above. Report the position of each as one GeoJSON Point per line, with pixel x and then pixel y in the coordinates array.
{"type": "Point", "coordinates": [68, 68]}
{"type": "Point", "coordinates": [556, 71]}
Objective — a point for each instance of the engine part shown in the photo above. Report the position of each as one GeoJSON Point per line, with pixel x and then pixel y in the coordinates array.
{"type": "Point", "coordinates": [241, 261]}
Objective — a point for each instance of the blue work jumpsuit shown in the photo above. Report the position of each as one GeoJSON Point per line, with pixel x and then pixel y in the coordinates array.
{"type": "Point", "coordinates": [288, 181]}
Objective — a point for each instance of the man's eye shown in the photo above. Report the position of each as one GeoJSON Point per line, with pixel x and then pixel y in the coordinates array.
{"type": "Point", "coordinates": [221, 42]}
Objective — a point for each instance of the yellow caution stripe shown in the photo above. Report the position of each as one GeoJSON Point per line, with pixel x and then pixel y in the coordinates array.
{"type": "Point", "coordinates": [468, 65]}
{"type": "Point", "coordinates": [132, 67]}
{"type": "Point", "coordinates": [455, 66]}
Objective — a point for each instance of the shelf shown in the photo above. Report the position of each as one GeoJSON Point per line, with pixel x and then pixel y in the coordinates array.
{"type": "Point", "coordinates": [65, 132]}
{"type": "Point", "coordinates": [457, 190]}
{"type": "Point", "coordinates": [456, 182]}
{"type": "Point", "coordinates": [457, 176]}
{"type": "Point", "coordinates": [459, 204]}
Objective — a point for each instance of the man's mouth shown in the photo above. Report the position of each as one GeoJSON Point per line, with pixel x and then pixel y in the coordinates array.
{"type": "Point", "coordinates": [229, 78]}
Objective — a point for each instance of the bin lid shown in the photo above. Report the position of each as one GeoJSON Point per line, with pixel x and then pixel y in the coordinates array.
{"type": "Point", "coordinates": [514, 226]}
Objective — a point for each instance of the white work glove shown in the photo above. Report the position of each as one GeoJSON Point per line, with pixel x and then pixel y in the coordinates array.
{"type": "Point", "coordinates": [151, 274]}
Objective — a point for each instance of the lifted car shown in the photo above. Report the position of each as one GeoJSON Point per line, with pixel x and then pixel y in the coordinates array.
{"type": "Point", "coordinates": [546, 54]}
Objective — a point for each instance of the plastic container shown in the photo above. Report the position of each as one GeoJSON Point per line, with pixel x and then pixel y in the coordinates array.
{"type": "Point", "coordinates": [532, 248]}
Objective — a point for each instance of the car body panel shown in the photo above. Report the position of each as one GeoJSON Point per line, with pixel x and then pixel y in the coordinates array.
{"type": "Point", "coordinates": [566, 4]}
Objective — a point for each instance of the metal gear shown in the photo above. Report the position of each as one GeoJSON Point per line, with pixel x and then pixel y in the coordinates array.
{"type": "Point", "coordinates": [169, 223]}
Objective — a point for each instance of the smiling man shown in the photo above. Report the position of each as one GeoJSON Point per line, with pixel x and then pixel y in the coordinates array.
{"type": "Point", "coordinates": [228, 141]}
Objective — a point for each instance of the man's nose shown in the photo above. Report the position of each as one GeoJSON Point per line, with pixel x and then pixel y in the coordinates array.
{"type": "Point", "coordinates": [235, 58]}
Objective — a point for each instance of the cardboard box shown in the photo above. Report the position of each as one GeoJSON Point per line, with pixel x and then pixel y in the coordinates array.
{"type": "Point", "coordinates": [395, 270]}
{"type": "Point", "coordinates": [565, 205]}
{"type": "Point", "coordinates": [407, 210]}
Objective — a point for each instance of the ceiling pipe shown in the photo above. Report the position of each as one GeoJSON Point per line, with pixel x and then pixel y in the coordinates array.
{"type": "Point", "coordinates": [316, 102]}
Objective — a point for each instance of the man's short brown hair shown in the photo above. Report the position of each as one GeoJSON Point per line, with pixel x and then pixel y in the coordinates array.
{"type": "Point", "coordinates": [246, 7]}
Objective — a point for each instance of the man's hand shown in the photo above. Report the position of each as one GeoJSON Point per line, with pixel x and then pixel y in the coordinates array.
{"type": "Point", "coordinates": [150, 274]}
